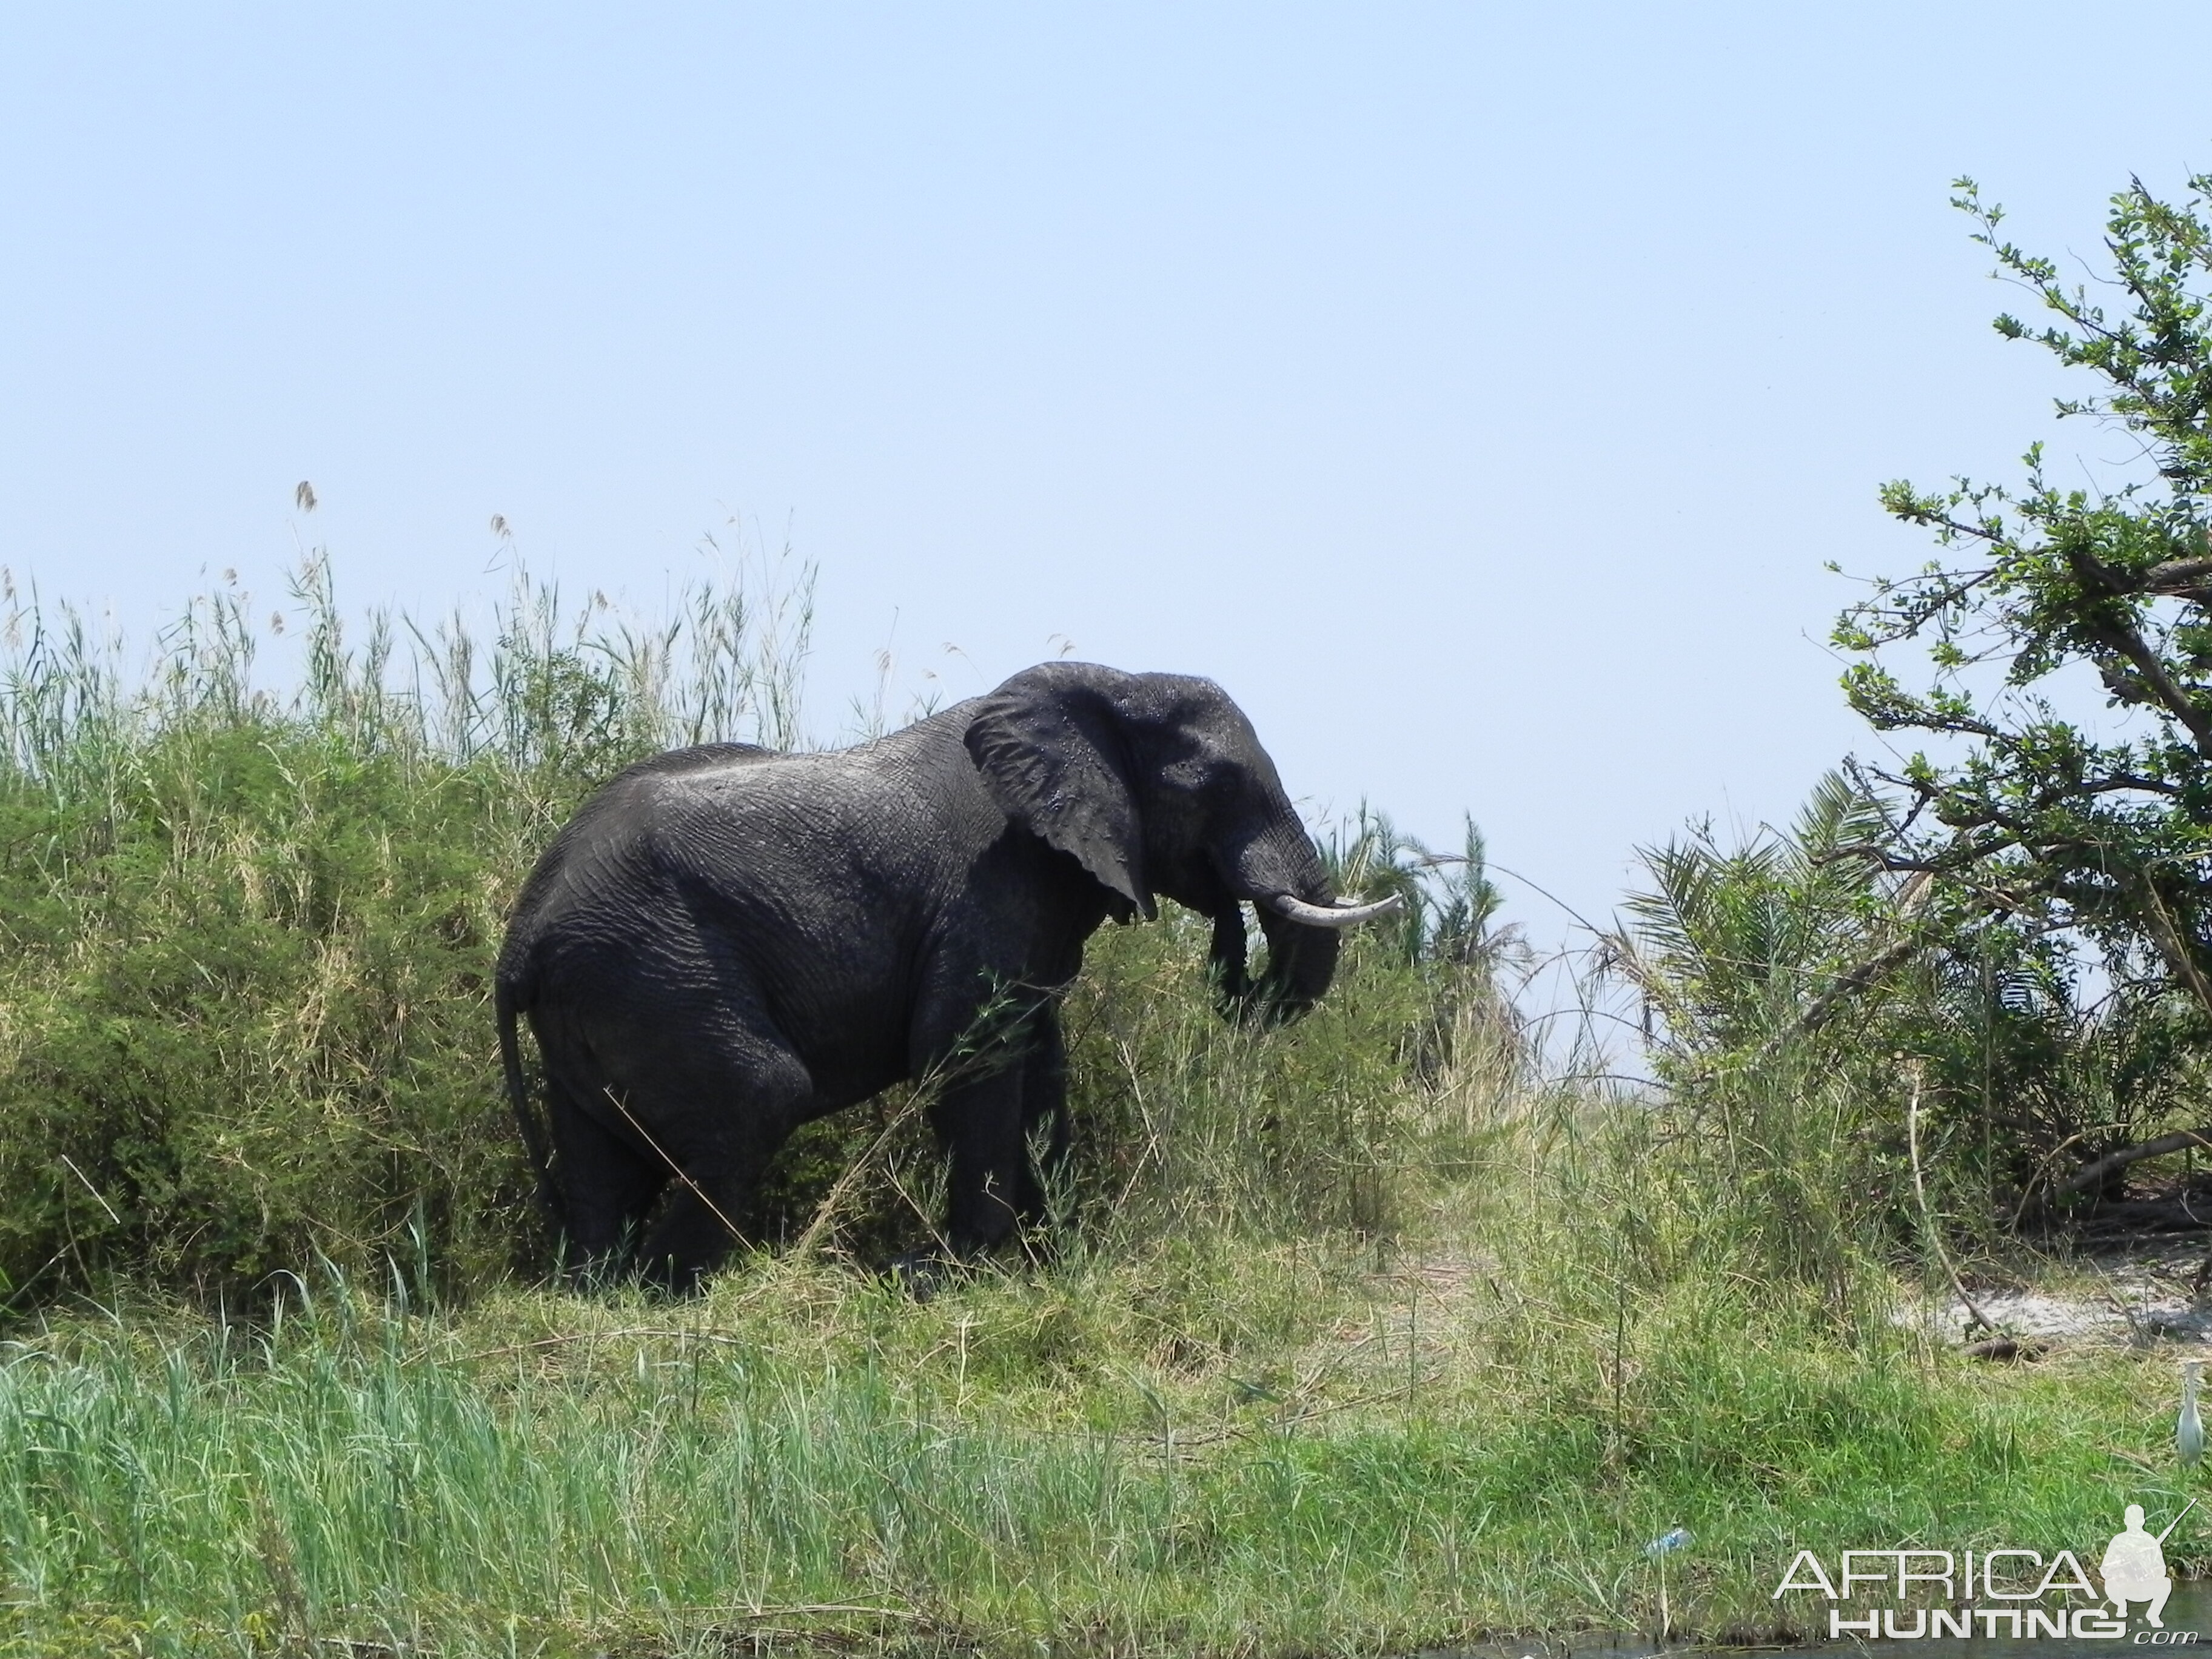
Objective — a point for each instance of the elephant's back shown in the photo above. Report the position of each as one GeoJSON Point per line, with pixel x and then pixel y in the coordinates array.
{"type": "Point", "coordinates": [835, 838]}
{"type": "Point", "coordinates": [727, 858]}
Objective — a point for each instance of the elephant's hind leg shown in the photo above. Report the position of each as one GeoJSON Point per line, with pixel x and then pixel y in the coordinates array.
{"type": "Point", "coordinates": [607, 1186]}
{"type": "Point", "coordinates": [697, 1228]}
{"type": "Point", "coordinates": [718, 1115]}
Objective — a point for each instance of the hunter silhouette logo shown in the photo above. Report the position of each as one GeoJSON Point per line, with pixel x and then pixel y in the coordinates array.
{"type": "Point", "coordinates": [2008, 1592]}
{"type": "Point", "coordinates": [2135, 1567]}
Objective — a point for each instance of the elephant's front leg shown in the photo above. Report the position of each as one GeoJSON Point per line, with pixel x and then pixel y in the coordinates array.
{"type": "Point", "coordinates": [1044, 1104]}
{"type": "Point", "coordinates": [980, 1121]}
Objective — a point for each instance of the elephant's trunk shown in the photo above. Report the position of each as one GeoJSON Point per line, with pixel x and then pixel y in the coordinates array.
{"type": "Point", "coordinates": [1225, 960]}
{"type": "Point", "coordinates": [1279, 863]}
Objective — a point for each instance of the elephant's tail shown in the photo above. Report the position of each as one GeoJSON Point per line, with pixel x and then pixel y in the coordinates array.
{"type": "Point", "coordinates": [517, 1095]}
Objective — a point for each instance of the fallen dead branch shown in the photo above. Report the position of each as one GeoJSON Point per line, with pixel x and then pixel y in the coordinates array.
{"type": "Point", "coordinates": [2097, 1169]}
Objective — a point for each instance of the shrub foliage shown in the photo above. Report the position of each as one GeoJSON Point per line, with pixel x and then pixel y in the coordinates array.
{"type": "Point", "coordinates": [244, 1001]}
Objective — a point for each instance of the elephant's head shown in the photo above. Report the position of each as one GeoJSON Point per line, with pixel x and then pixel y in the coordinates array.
{"type": "Point", "coordinates": [1157, 786]}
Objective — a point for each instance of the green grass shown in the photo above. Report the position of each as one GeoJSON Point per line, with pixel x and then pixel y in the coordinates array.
{"type": "Point", "coordinates": [1188, 1451]}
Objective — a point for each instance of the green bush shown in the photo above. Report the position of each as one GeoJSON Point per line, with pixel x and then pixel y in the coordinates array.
{"type": "Point", "coordinates": [1801, 997]}
{"type": "Point", "coordinates": [248, 1022]}
{"type": "Point", "coordinates": [245, 1002]}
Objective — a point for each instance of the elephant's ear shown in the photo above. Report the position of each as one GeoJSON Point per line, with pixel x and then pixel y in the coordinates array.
{"type": "Point", "coordinates": [1049, 745]}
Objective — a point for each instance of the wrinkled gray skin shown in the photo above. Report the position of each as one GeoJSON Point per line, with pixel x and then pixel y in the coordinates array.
{"type": "Point", "coordinates": [727, 942]}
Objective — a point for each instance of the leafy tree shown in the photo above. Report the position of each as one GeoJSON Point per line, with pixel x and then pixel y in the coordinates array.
{"type": "Point", "coordinates": [2026, 817]}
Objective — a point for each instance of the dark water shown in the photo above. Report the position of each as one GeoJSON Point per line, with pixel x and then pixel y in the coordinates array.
{"type": "Point", "coordinates": [2188, 1615]}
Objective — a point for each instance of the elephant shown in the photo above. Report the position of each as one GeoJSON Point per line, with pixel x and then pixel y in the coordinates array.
{"type": "Point", "coordinates": [727, 942]}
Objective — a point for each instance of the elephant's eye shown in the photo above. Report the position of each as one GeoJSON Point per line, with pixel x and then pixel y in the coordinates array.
{"type": "Point", "coordinates": [1204, 773]}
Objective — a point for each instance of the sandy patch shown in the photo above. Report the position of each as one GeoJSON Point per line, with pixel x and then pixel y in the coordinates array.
{"type": "Point", "coordinates": [2153, 1293]}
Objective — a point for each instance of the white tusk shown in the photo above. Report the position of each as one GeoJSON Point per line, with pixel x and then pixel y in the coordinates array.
{"type": "Point", "coordinates": [1343, 913]}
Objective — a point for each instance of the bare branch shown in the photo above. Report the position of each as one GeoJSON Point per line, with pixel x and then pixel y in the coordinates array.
{"type": "Point", "coordinates": [2181, 578]}
{"type": "Point", "coordinates": [1848, 985]}
{"type": "Point", "coordinates": [2116, 635]}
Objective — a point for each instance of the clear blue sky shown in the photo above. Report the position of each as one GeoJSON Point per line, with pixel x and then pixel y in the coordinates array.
{"type": "Point", "coordinates": [1475, 392]}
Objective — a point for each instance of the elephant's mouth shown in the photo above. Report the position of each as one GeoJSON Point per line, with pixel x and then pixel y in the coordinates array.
{"type": "Point", "coordinates": [1300, 961]}
{"type": "Point", "coordinates": [1302, 947]}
